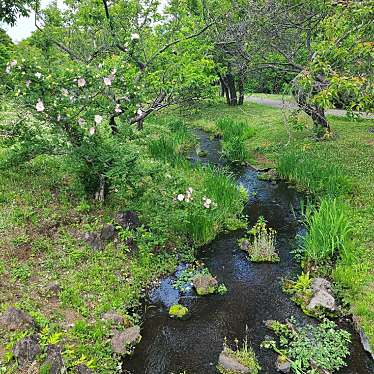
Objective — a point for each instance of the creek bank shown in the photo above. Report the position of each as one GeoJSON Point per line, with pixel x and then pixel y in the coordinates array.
{"type": "Point", "coordinates": [254, 292]}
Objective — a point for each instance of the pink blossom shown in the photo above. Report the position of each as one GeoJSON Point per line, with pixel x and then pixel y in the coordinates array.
{"type": "Point", "coordinates": [28, 82]}
{"type": "Point", "coordinates": [92, 130]}
{"type": "Point", "coordinates": [81, 82]}
{"type": "Point", "coordinates": [207, 202]}
{"type": "Point", "coordinates": [39, 106]}
{"type": "Point", "coordinates": [108, 80]}
{"type": "Point", "coordinates": [13, 63]}
{"type": "Point", "coordinates": [118, 108]}
{"type": "Point", "coordinates": [98, 119]}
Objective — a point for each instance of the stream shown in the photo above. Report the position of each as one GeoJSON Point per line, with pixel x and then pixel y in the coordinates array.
{"type": "Point", "coordinates": [254, 294]}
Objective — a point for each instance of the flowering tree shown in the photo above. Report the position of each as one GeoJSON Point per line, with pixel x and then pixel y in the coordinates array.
{"type": "Point", "coordinates": [97, 67]}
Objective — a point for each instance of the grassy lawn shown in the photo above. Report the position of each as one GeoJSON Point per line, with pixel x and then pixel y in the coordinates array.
{"type": "Point", "coordinates": [350, 154]}
{"type": "Point", "coordinates": [273, 96]}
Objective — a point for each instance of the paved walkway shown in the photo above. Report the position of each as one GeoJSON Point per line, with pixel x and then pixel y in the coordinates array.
{"type": "Point", "coordinates": [275, 103]}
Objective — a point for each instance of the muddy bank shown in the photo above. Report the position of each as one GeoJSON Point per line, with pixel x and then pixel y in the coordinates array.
{"type": "Point", "coordinates": [254, 293]}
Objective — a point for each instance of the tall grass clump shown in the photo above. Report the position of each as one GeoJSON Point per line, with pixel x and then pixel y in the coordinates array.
{"type": "Point", "coordinates": [315, 175]}
{"type": "Point", "coordinates": [328, 233]}
{"type": "Point", "coordinates": [235, 134]}
{"type": "Point", "coordinates": [172, 144]}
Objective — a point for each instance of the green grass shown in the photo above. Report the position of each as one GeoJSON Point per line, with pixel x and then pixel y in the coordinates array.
{"type": "Point", "coordinates": [328, 233]}
{"type": "Point", "coordinates": [235, 135]}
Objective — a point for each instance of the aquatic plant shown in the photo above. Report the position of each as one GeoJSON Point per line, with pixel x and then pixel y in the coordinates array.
{"type": "Point", "coordinates": [178, 311]}
{"type": "Point", "coordinates": [328, 232]}
{"type": "Point", "coordinates": [309, 348]}
{"type": "Point", "coordinates": [244, 354]}
{"type": "Point", "coordinates": [235, 134]}
{"type": "Point", "coordinates": [260, 242]}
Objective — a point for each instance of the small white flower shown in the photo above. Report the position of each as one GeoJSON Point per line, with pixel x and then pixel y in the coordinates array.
{"type": "Point", "coordinates": [28, 82]}
{"type": "Point", "coordinates": [180, 197]}
{"type": "Point", "coordinates": [81, 82]}
{"type": "Point", "coordinates": [92, 131]}
{"type": "Point", "coordinates": [118, 108]}
{"type": "Point", "coordinates": [13, 63]}
{"type": "Point", "coordinates": [207, 202]}
{"type": "Point", "coordinates": [7, 69]}
{"type": "Point", "coordinates": [38, 75]}
{"type": "Point", "coordinates": [65, 92]}
{"type": "Point", "coordinates": [39, 106]}
{"type": "Point", "coordinates": [135, 36]}
{"type": "Point", "coordinates": [107, 81]}
{"type": "Point", "coordinates": [114, 71]}
{"type": "Point", "coordinates": [81, 121]}
{"type": "Point", "coordinates": [98, 119]}
{"type": "Point", "coordinates": [58, 117]}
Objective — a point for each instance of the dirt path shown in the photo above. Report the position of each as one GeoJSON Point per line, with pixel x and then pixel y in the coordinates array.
{"type": "Point", "coordinates": [277, 103]}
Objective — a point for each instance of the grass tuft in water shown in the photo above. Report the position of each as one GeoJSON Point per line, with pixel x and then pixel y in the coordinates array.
{"type": "Point", "coordinates": [235, 135]}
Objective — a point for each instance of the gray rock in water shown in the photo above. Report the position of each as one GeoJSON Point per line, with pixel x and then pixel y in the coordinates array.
{"type": "Point", "coordinates": [83, 369]}
{"type": "Point", "coordinates": [26, 350]}
{"type": "Point", "coordinates": [122, 341]}
{"type": "Point", "coordinates": [16, 320]}
{"type": "Point", "coordinates": [282, 365]}
{"type": "Point", "coordinates": [108, 232]}
{"type": "Point", "coordinates": [113, 316]}
{"type": "Point", "coordinates": [54, 361]}
{"type": "Point", "coordinates": [364, 339]}
{"type": "Point", "coordinates": [94, 241]}
{"type": "Point", "coordinates": [321, 284]}
{"type": "Point", "coordinates": [244, 245]}
{"type": "Point", "coordinates": [205, 284]}
{"type": "Point", "coordinates": [324, 299]}
{"type": "Point", "coordinates": [232, 364]}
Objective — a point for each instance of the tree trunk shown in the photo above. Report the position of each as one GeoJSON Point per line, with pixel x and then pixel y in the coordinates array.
{"type": "Point", "coordinates": [316, 113]}
{"type": "Point", "coordinates": [232, 90]}
{"type": "Point", "coordinates": [241, 91]}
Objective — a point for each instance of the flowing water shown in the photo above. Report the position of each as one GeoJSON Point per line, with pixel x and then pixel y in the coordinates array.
{"type": "Point", "coordinates": [254, 293]}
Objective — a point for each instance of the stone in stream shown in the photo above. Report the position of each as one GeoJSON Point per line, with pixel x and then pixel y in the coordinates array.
{"type": "Point", "coordinates": [54, 362]}
{"type": "Point", "coordinates": [282, 364]}
{"type": "Point", "coordinates": [26, 350]}
{"type": "Point", "coordinates": [364, 339]}
{"type": "Point", "coordinates": [124, 341]}
{"type": "Point", "coordinates": [322, 295]}
{"type": "Point", "coordinates": [205, 284]}
{"type": "Point", "coordinates": [232, 364]}
{"type": "Point", "coordinates": [16, 320]}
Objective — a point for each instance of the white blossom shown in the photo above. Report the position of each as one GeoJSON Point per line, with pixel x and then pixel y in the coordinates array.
{"type": "Point", "coordinates": [81, 82]}
{"type": "Point", "coordinates": [98, 119]}
{"type": "Point", "coordinates": [108, 80]}
{"type": "Point", "coordinates": [118, 108]}
{"type": "Point", "coordinates": [39, 106]}
{"type": "Point", "coordinates": [59, 117]}
{"type": "Point", "coordinates": [207, 202]}
{"type": "Point", "coordinates": [13, 63]}
{"type": "Point", "coordinates": [65, 92]}
{"type": "Point", "coordinates": [135, 36]}
{"type": "Point", "coordinates": [28, 82]}
{"type": "Point", "coordinates": [38, 75]}
{"type": "Point", "coordinates": [81, 121]}
{"type": "Point", "coordinates": [92, 131]}
{"type": "Point", "coordinates": [180, 197]}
